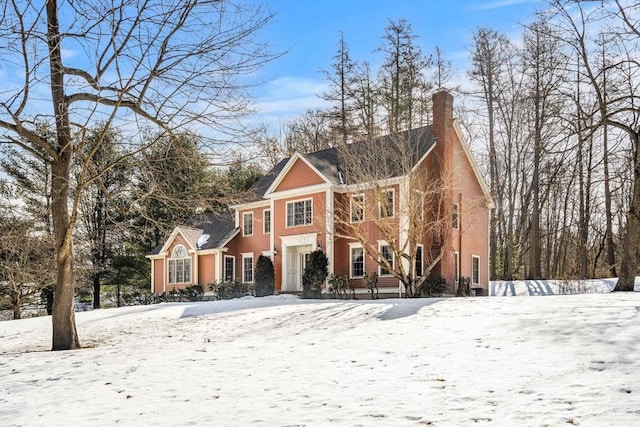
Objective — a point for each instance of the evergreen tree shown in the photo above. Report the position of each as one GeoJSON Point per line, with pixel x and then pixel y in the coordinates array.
{"type": "Point", "coordinates": [315, 272]}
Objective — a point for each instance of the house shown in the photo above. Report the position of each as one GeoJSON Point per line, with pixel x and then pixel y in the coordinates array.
{"type": "Point", "coordinates": [354, 204]}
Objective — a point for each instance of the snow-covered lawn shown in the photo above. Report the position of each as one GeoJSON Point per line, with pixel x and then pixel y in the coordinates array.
{"type": "Point", "coordinates": [276, 361]}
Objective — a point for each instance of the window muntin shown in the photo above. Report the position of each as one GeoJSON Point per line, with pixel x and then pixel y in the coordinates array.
{"type": "Point", "coordinates": [357, 208]}
{"type": "Point", "coordinates": [299, 213]}
{"type": "Point", "coordinates": [419, 260]}
{"type": "Point", "coordinates": [475, 270]}
{"type": "Point", "coordinates": [179, 266]}
{"type": "Point", "coordinates": [229, 268]}
{"type": "Point", "coordinates": [247, 268]}
{"type": "Point", "coordinates": [266, 217]}
{"type": "Point", "coordinates": [247, 224]}
{"type": "Point", "coordinates": [456, 216]}
{"type": "Point", "coordinates": [385, 253]}
{"type": "Point", "coordinates": [385, 205]}
{"type": "Point", "coordinates": [357, 262]}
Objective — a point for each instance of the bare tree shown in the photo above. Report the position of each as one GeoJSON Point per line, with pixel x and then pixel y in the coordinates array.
{"type": "Point", "coordinates": [616, 105]}
{"type": "Point", "coordinates": [340, 93]}
{"type": "Point", "coordinates": [401, 75]}
{"type": "Point", "coordinates": [309, 132]}
{"type": "Point", "coordinates": [541, 56]}
{"type": "Point", "coordinates": [25, 260]}
{"type": "Point", "coordinates": [488, 58]}
{"type": "Point", "coordinates": [157, 64]}
{"type": "Point", "coordinates": [365, 97]}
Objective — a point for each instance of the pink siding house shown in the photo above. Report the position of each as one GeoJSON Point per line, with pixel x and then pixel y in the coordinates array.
{"type": "Point", "coordinates": [292, 211]}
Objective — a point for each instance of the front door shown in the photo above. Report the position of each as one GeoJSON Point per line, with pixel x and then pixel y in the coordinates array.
{"type": "Point", "coordinates": [295, 263]}
{"type": "Point", "coordinates": [304, 256]}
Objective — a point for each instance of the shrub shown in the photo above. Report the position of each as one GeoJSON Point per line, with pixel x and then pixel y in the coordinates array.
{"type": "Point", "coordinates": [371, 282]}
{"type": "Point", "coordinates": [265, 277]}
{"type": "Point", "coordinates": [192, 293]}
{"type": "Point", "coordinates": [433, 286]}
{"type": "Point", "coordinates": [341, 287]}
{"type": "Point", "coordinates": [228, 289]}
{"type": "Point", "coordinates": [314, 274]}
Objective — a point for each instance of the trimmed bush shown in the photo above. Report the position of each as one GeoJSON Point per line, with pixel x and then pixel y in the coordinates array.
{"type": "Point", "coordinates": [265, 278]}
{"type": "Point", "coordinates": [371, 282]}
{"type": "Point", "coordinates": [192, 293]}
{"type": "Point", "coordinates": [314, 274]}
{"type": "Point", "coordinates": [341, 287]}
{"type": "Point", "coordinates": [228, 289]}
{"type": "Point", "coordinates": [433, 286]}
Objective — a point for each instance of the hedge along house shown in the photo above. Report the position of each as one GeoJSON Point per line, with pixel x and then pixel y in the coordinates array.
{"type": "Point", "coordinates": [358, 204]}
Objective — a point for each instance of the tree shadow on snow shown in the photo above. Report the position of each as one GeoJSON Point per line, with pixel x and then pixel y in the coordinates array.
{"type": "Point", "coordinates": [399, 308]}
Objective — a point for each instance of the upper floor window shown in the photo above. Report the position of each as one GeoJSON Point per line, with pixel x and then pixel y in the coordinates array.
{"type": "Point", "coordinates": [385, 205]}
{"type": "Point", "coordinates": [179, 266]}
{"type": "Point", "coordinates": [387, 254]}
{"type": "Point", "coordinates": [266, 216]}
{"type": "Point", "coordinates": [247, 224]}
{"type": "Point", "coordinates": [456, 216]}
{"type": "Point", "coordinates": [299, 213]}
{"type": "Point", "coordinates": [357, 208]}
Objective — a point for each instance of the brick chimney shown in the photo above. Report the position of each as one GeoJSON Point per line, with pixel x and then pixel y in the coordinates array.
{"type": "Point", "coordinates": [442, 163]}
{"type": "Point", "coordinates": [443, 126]}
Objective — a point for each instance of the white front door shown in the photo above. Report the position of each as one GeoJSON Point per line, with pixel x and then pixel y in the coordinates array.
{"type": "Point", "coordinates": [295, 264]}
{"type": "Point", "coordinates": [303, 263]}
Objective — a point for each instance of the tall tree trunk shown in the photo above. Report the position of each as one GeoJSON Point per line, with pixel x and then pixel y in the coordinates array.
{"type": "Point", "coordinates": [16, 304]}
{"type": "Point", "coordinates": [631, 246]}
{"type": "Point", "coordinates": [535, 263]}
{"type": "Point", "coordinates": [96, 291]}
{"type": "Point", "coordinates": [610, 245]}
{"type": "Point", "coordinates": [65, 335]}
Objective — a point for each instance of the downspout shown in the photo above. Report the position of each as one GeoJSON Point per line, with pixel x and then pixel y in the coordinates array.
{"type": "Point", "coordinates": [459, 266]}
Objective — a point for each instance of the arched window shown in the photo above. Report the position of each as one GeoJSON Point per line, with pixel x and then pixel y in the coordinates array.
{"type": "Point", "coordinates": [179, 266]}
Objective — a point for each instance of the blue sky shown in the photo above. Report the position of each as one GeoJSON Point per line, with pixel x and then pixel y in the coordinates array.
{"type": "Point", "coordinates": [309, 30]}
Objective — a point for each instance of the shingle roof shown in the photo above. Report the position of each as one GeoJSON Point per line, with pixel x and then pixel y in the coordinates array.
{"type": "Point", "coordinates": [206, 231]}
{"type": "Point", "coordinates": [257, 190]}
{"type": "Point", "coordinates": [219, 226]}
{"type": "Point", "coordinates": [334, 163]}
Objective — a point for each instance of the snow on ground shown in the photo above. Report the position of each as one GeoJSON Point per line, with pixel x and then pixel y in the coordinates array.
{"type": "Point", "coordinates": [281, 361]}
{"type": "Point", "coordinates": [554, 287]}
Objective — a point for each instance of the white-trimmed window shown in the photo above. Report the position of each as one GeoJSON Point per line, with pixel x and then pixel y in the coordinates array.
{"type": "Point", "coordinates": [299, 213]}
{"type": "Point", "coordinates": [456, 268]}
{"type": "Point", "coordinates": [266, 218]}
{"type": "Point", "coordinates": [385, 253]}
{"type": "Point", "coordinates": [419, 260]}
{"type": "Point", "coordinates": [247, 268]}
{"type": "Point", "coordinates": [385, 205]}
{"type": "Point", "coordinates": [357, 208]}
{"type": "Point", "coordinates": [247, 224]}
{"type": "Point", "coordinates": [179, 266]}
{"type": "Point", "coordinates": [475, 270]}
{"type": "Point", "coordinates": [456, 216]}
{"type": "Point", "coordinates": [229, 267]}
{"type": "Point", "coordinates": [356, 261]}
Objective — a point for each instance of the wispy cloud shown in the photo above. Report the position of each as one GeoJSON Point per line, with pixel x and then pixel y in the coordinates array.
{"type": "Point", "coordinates": [286, 97]}
{"type": "Point", "coordinates": [496, 4]}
